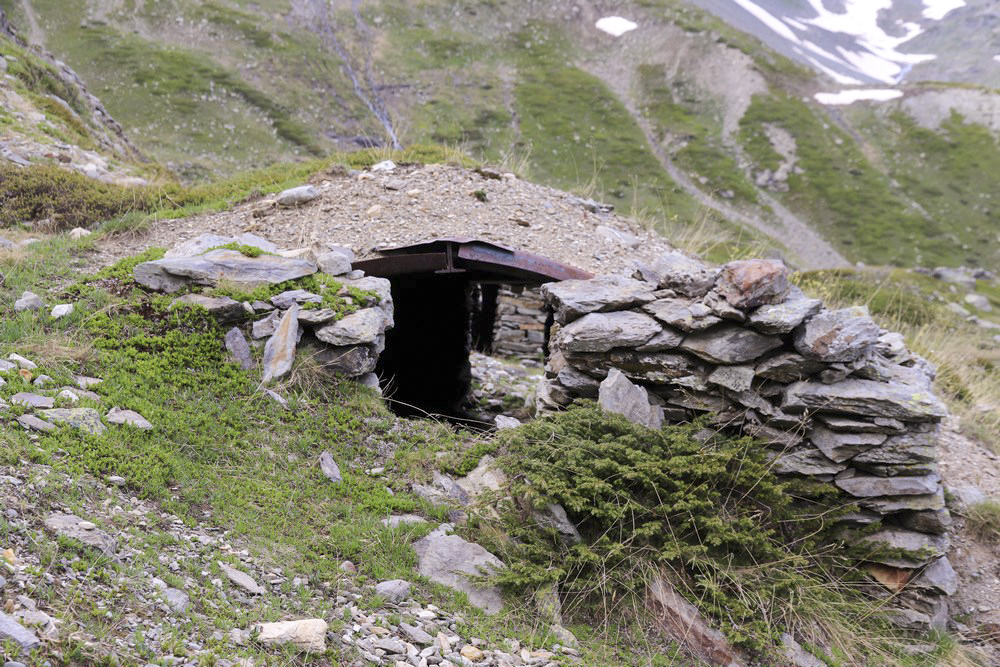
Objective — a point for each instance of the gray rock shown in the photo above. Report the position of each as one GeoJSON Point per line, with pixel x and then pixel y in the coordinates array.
{"type": "Point", "coordinates": [389, 645]}
{"type": "Point", "coordinates": [808, 462]}
{"type": "Point", "coordinates": [308, 635]}
{"type": "Point", "coordinates": [316, 316]}
{"type": "Point", "coordinates": [957, 309]}
{"type": "Point", "coordinates": [11, 630]}
{"type": "Point", "coordinates": [788, 367]}
{"type": "Point", "coordinates": [85, 419]}
{"type": "Point", "coordinates": [29, 301]}
{"type": "Point", "coordinates": [571, 299]}
{"type": "Point", "coordinates": [359, 328]}
{"type": "Point", "coordinates": [554, 516]}
{"type": "Point", "coordinates": [279, 352]}
{"type": "Point", "coordinates": [683, 314]}
{"type": "Point", "coordinates": [652, 367]}
{"type": "Point", "coordinates": [838, 335]}
{"type": "Point", "coordinates": [73, 527]}
{"type": "Point", "coordinates": [394, 591]}
{"type": "Point", "coordinates": [349, 361]}
{"type": "Point", "coordinates": [402, 520]}
{"type": "Point", "coordinates": [919, 548]}
{"type": "Point", "coordinates": [241, 579]}
{"type": "Point", "coordinates": [600, 332]}
{"type": "Point", "coordinates": [842, 446]}
{"type": "Point", "coordinates": [958, 276]}
{"type": "Point", "coordinates": [620, 396]}
{"type": "Point", "coordinates": [416, 635]}
{"type": "Point", "coordinates": [718, 305]}
{"type": "Point", "coordinates": [901, 450]}
{"type": "Point", "coordinates": [32, 400]}
{"type": "Point", "coordinates": [215, 266]}
{"type": "Point", "coordinates": [129, 418]}
{"type": "Point", "coordinates": [177, 600]}
{"type": "Point", "coordinates": [865, 398]}
{"type": "Point", "coordinates": [266, 326]}
{"type": "Point", "coordinates": [668, 339]}
{"type": "Point", "coordinates": [939, 577]}
{"type": "Point", "coordinates": [736, 378]}
{"type": "Point", "coordinates": [221, 308]}
{"type": "Point", "coordinates": [979, 302]}
{"type": "Point", "coordinates": [503, 422]}
{"type": "Point", "coordinates": [198, 245]}
{"type": "Point", "coordinates": [935, 522]}
{"type": "Point", "coordinates": [868, 486]}
{"type": "Point", "coordinates": [729, 344]}
{"type": "Point", "coordinates": [796, 655]}
{"type": "Point", "coordinates": [329, 468]}
{"type": "Point", "coordinates": [303, 194]}
{"type": "Point", "coordinates": [618, 236]}
{"type": "Point", "coordinates": [753, 282]}
{"type": "Point", "coordinates": [61, 310]}
{"type": "Point", "coordinates": [276, 397]}
{"type": "Point", "coordinates": [876, 425]}
{"type": "Point", "coordinates": [962, 496]}
{"type": "Point", "coordinates": [783, 317]}
{"type": "Point", "coordinates": [382, 289]}
{"type": "Point", "coordinates": [334, 263]}
{"type": "Point", "coordinates": [451, 561]}
{"type": "Point", "coordinates": [685, 275]}
{"type": "Point", "coordinates": [33, 423]}
{"type": "Point", "coordinates": [894, 504]}
{"type": "Point", "coordinates": [579, 383]}
{"type": "Point", "coordinates": [239, 349]}
{"type": "Point", "coordinates": [299, 296]}
{"type": "Point", "coordinates": [21, 362]}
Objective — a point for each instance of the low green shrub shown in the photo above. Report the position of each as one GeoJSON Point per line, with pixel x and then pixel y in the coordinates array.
{"type": "Point", "coordinates": [747, 548]}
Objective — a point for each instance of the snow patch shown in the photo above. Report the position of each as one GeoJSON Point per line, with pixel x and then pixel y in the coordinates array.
{"type": "Point", "coordinates": [615, 25]}
{"type": "Point", "coordinates": [936, 10]}
{"type": "Point", "coordinates": [996, 58]}
{"type": "Point", "coordinates": [851, 96]}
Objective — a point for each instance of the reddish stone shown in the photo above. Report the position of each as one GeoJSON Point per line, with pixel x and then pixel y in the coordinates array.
{"type": "Point", "coordinates": [753, 282]}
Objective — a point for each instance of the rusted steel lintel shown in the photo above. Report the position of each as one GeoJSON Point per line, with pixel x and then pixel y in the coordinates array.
{"type": "Point", "coordinates": [395, 265]}
{"type": "Point", "coordinates": [543, 268]}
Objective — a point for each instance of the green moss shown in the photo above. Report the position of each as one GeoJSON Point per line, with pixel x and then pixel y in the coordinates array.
{"type": "Point", "coordinates": [245, 250]}
{"type": "Point", "coordinates": [335, 296]}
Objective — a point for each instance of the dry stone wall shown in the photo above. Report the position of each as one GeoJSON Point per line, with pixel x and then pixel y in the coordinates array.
{"type": "Point", "coordinates": [834, 397]}
{"type": "Point", "coordinates": [519, 331]}
{"type": "Point", "coordinates": [348, 345]}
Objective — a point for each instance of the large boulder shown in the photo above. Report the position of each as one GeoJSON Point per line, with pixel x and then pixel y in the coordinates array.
{"type": "Point", "coordinates": [452, 561]}
{"type": "Point", "coordinates": [865, 398]}
{"type": "Point", "coordinates": [571, 299]}
{"type": "Point", "coordinates": [220, 266]}
{"type": "Point", "coordinates": [620, 396]}
{"type": "Point", "coordinates": [838, 335]}
{"type": "Point", "coordinates": [600, 332]}
{"type": "Point", "coordinates": [753, 282]}
{"type": "Point", "coordinates": [729, 344]}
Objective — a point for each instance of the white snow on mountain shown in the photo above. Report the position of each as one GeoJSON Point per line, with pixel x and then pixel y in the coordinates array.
{"type": "Point", "coordinates": [615, 25]}
{"type": "Point", "coordinates": [856, 95]}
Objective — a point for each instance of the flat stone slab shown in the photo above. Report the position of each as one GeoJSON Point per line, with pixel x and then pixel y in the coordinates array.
{"type": "Point", "coordinates": [216, 266]}
{"type": "Point", "coordinates": [85, 419]}
{"type": "Point", "coordinates": [241, 579]}
{"type": "Point", "coordinates": [359, 328]}
{"type": "Point", "coordinates": [73, 527]}
{"type": "Point", "coordinates": [575, 298]}
{"type": "Point", "coordinates": [683, 314]}
{"type": "Point", "coordinates": [33, 423]}
{"type": "Point", "coordinates": [221, 308]}
{"type": "Point", "coordinates": [866, 398]}
{"type": "Point", "coordinates": [781, 318]}
{"type": "Point", "coordinates": [451, 561]}
{"type": "Point", "coordinates": [872, 486]}
{"type": "Point", "coordinates": [11, 630]}
{"type": "Point", "coordinates": [307, 635]}
{"type": "Point", "coordinates": [279, 351]}
{"type": "Point", "coordinates": [129, 418]}
{"type": "Point", "coordinates": [620, 396]}
{"type": "Point", "coordinates": [600, 332]}
{"type": "Point", "coordinates": [729, 344]}
{"type": "Point", "coordinates": [914, 548]}
{"type": "Point", "coordinates": [32, 400]}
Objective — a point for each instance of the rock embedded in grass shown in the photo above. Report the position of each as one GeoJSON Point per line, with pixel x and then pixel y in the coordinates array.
{"type": "Point", "coordinates": [129, 418]}
{"type": "Point", "coordinates": [29, 301]}
{"type": "Point", "coordinates": [298, 196]}
{"type": "Point", "coordinates": [308, 635]}
{"type": "Point", "coordinates": [279, 352]}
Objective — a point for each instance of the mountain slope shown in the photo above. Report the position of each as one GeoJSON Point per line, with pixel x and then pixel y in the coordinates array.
{"type": "Point", "coordinates": [684, 118]}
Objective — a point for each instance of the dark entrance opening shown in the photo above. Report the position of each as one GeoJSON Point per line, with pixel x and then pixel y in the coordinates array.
{"type": "Point", "coordinates": [445, 298]}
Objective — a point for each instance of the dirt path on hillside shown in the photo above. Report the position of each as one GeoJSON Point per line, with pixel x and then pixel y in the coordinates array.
{"type": "Point", "coordinates": [35, 33]}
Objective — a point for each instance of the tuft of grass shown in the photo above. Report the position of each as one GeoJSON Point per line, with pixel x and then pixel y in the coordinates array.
{"type": "Point", "coordinates": [983, 519]}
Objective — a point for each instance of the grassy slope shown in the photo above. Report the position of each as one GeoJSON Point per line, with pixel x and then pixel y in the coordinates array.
{"type": "Point", "coordinates": [248, 89]}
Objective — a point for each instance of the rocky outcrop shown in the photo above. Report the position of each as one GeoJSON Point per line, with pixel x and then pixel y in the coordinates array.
{"type": "Point", "coordinates": [837, 399]}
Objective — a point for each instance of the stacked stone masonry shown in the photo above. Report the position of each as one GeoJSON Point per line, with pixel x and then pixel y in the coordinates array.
{"type": "Point", "coordinates": [834, 397]}
{"type": "Point", "coordinates": [345, 345]}
{"type": "Point", "coordinates": [519, 330]}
